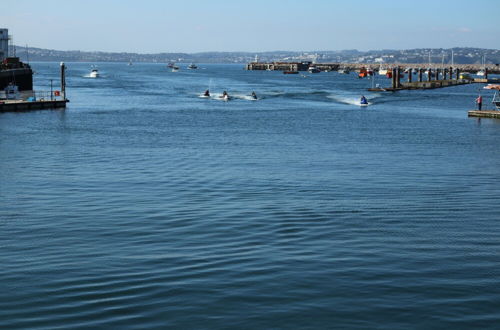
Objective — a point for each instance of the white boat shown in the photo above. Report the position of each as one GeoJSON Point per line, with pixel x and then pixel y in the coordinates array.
{"type": "Point", "coordinates": [382, 71]}
{"type": "Point", "coordinates": [94, 73]}
{"type": "Point", "coordinates": [482, 72]}
{"type": "Point", "coordinates": [175, 68]}
{"type": "Point", "coordinates": [129, 62]}
{"type": "Point", "coordinates": [344, 70]}
{"type": "Point", "coordinates": [313, 69]}
{"type": "Point", "coordinates": [192, 66]}
{"type": "Point", "coordinates": [496, 97]}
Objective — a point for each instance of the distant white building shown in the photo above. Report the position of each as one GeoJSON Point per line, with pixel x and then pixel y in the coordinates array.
{"type": "Point", "coordinates": [4, 44]}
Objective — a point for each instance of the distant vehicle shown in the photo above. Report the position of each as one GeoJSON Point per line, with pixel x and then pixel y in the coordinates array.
{"type": "Point", "coordinates": [465, 75]}
{"type": "Point", "coordinates": [192, 66]}
{"type": "Point", "coordinates": [175, 68]}
{"type": "Point", "coordinates": [290, 72]}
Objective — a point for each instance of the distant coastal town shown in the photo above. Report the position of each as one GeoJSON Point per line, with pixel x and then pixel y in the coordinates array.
{"type": "Point", "coordinates": [422, 55]}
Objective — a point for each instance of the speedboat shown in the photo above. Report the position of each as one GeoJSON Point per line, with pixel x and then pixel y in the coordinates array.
{"type": "Point", "coordinates": [192, 66]}
{"type": "Point", "coordinates": [313, 69]}
{"type": "Point", "coordinates": [94, 73]}
{"type": "Point", "coordinates": [344, 70]}
{"type": "Point", "coordinates": [175, 68]}
{"type": "Point", "coordinates": [481, 73]}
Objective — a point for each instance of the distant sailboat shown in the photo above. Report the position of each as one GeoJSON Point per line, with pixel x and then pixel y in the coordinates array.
{"type": "Point", "coordinates": [482, 72]}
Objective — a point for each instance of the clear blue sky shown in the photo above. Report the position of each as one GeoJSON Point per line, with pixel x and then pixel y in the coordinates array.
{"type": "Point", "coordinates": [150, 26]}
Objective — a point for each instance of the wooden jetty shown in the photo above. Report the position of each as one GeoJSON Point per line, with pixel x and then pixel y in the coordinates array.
{"type": "Point", "coordinates": [38, 100]}
{"type": "Point", "coordinates": [484, 113]}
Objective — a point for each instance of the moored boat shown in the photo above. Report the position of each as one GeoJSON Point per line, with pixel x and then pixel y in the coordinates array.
{"type": "Point", "coordinates": [496, 97]}
{"type": "Point", "coordinates": [313, 69]}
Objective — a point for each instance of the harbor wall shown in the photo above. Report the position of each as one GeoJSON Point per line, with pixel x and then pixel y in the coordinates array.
{"type": "Point", "coordinates": [303, 66]}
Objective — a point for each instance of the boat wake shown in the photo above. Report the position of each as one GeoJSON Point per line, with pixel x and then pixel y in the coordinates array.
{"type": "Point", "coordinates": [352, 99]}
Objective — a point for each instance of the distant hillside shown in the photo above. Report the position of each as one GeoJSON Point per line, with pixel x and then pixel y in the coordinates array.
{"type": "Point", "coordinates": [461, 56]}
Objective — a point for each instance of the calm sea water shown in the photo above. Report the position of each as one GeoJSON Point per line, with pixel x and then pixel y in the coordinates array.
{"type": "Point", "coordinates": [144, 206]}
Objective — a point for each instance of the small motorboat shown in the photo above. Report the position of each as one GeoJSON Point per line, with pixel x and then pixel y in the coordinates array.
{"type": "Point", "coordinates": [192, 66]}
{"type": "Point", "coordinates": [254, 96]}
{"type": "Point", "coordinates": [313, 69]}
{"type": "Point", "coordinates": [206, 94]}
{"type": "Point", "coordinates": [175, 68]}
{"type": "Point", "coordinates": [290, 72]}
{"type": "Point", "coordinates": [496, 97]}
{"type": "Point", "coordinates": [94, 73]}
{"type": "Point", "coordinates": [171, 65]}
{"type": "Point", "coordinates": [225, 96]}
{"type": "Point", "coordinates": [344, 70]}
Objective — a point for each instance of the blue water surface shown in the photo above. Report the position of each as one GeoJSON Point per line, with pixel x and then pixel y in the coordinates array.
{"type": "Point", "coordinates": [145, 206]}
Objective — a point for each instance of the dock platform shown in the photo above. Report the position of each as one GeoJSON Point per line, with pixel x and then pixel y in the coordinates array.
{"type": "Point", "coordinates": [485, 113]}
{"type": "Point", "coordinates": [20, 105]}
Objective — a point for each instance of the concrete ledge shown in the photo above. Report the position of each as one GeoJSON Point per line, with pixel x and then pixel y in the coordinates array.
{"type": "Point", "coordinates": [484, 113]}
{"type": "Point", "coordinates": [7, 106]}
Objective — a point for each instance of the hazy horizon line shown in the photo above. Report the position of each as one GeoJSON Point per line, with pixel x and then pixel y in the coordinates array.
{"type": "Point", "coordinates": [253, 52]}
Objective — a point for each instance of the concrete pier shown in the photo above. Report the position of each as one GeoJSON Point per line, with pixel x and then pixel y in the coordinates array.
{"type": "Point", "coordinates": [20, 105]}
{"type": "Point", "coordinates": [36, 100]}
{"type": "Point", "coordinates": [484, 114]}
{"type": "Point", "coordinates": [291, 66]}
